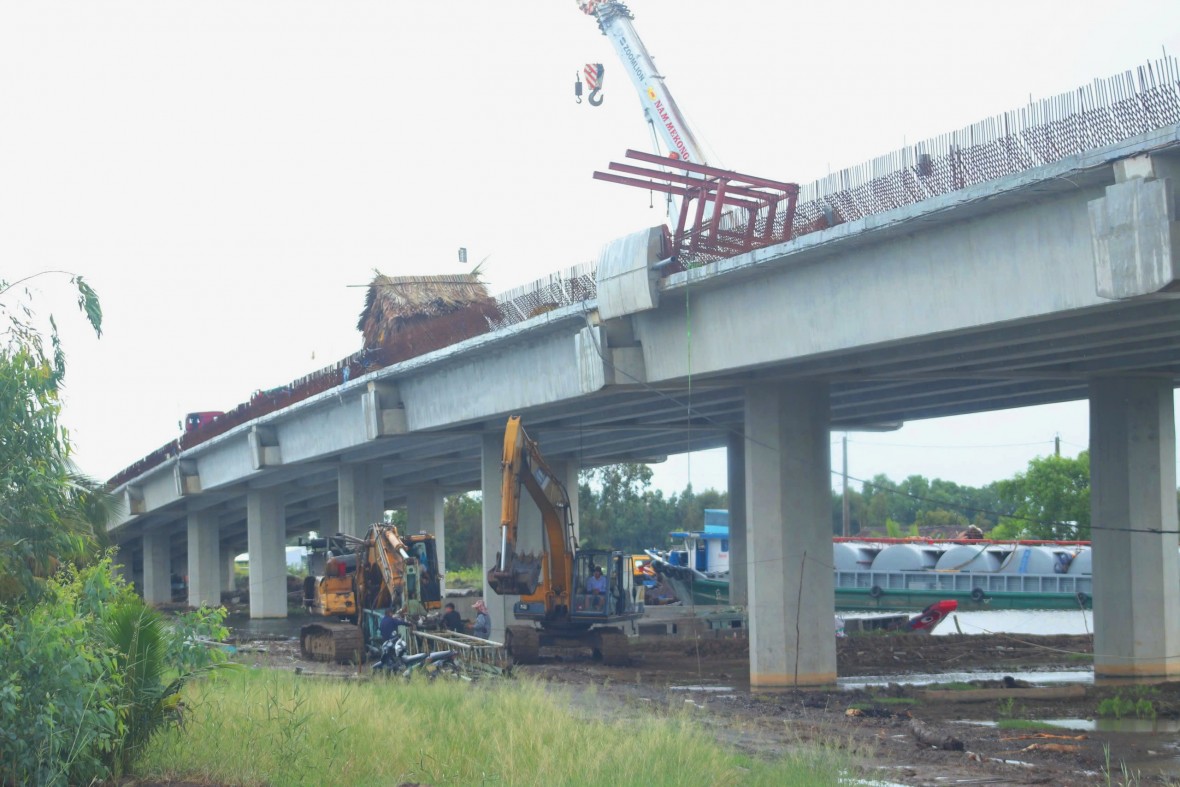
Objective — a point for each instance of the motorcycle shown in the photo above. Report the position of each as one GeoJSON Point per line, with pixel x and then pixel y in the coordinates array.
{"type": "Point", "coordinates": [392, 659]}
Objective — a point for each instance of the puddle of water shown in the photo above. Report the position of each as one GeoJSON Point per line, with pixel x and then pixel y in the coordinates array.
{"type": "Point", "coordinates": [701, 688]}
{"type": "Point", "coordinates": [1118, 725]}
{"type": "Point", "coordinates": [1044, 678]}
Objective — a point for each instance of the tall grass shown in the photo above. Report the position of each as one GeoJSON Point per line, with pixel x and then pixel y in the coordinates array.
{"type": "Point", "coordinates": [258, 727]}
{"type": "Point", "coordinates": [467, 577]}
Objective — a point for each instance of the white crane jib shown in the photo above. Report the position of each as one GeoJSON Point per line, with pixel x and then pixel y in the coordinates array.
{"type": "Point", "coordinates": [614, 19]}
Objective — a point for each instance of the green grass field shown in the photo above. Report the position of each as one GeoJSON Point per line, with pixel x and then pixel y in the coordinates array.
{"type": "Point", "coordinates": [257, 727]}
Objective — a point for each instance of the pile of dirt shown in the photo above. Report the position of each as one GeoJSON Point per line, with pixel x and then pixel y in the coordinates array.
{"type": "Point", "coordinates": [888, 654]}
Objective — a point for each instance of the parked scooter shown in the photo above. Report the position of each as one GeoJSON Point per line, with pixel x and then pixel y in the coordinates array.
{"type": "Point", "coordinates": [392, 659]}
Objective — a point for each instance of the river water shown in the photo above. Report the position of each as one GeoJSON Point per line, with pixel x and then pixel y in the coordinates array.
{"type": "Point", "coordinates": [1018, 621]}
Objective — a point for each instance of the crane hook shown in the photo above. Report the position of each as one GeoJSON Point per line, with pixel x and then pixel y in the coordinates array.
{"type": "Point", "coordinates": [577, 88]}
{"type": "Point", "coordinates": [594, 72]}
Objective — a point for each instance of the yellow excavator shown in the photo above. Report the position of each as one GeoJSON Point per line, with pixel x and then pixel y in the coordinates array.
{"type": "Point", "coordinates": [354, 579]}
{"type": "Point", "coordinates": [569, 597]}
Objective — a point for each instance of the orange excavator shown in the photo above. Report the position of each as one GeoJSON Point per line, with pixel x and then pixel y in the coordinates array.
{"type": "Point", "coordinates": [358, 578]}
{"type": "Point", "coordinates": [563, 601]}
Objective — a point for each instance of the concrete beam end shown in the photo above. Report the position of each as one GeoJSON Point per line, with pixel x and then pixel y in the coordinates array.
{"type": "Point", "coordinates": [133, 499]}
{"type": "Point", "coordinates": [264, 448]}
{"type": "Point", "coordinates": [1135, 240]}
{"type": "Point", "coordinates": [383, 411]}
{"type": "Point", "coordinates": [187, 478]}
{"type": "Point", "coordinates": [626, 277]}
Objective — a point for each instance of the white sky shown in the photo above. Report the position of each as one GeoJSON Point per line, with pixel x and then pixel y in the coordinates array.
{"type": "Point", "coordinates": [225, 173]}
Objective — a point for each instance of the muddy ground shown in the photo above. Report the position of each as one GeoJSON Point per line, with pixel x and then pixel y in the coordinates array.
{"type": "Point", "coordinates": [711, 678]}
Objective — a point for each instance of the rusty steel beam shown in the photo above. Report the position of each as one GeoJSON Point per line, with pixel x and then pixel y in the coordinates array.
{"type": "Point", "coordinates": [651, 158]}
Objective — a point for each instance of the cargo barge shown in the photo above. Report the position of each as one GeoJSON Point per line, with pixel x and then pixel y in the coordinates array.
{"type": "Point", "coordinates": [910, 573]}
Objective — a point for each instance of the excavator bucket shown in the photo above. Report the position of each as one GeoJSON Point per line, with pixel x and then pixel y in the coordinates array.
{"type": "Point", "coordinates": [519, 578]}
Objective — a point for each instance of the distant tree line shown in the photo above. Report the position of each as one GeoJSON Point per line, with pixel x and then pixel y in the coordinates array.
{"type": "Point", "coordinates": [618, 509]}
{"type": "Point", "coordinates": [1050, 500]}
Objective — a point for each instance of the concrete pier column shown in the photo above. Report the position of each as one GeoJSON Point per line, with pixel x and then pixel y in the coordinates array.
{"type": "Point", "coordinates": [329, 524]}
{"type": "Point", "coordinates": [1133, 515]}
{"type": "Point", "coordinates": [124, 562]}
{"type": "Point", "coordinates": [499, 607]}
{"type": "Point", "coordinates": [424, 514]}
{"type": "Point", "coordinates": [157, 567]}
{"type": "Point", "coordinates": [267, 537]}
{"type": "Point", "coordinates": [228, 561]}
{"type": "Point", "coordinates": [788, 502]}
{"type": "Point", "coordinates": [204, 559]}
{"type": "Point", "coordinates": [568, 472]}
{"type": "Point", "coordinates": [361, 493]}
{"type": "Point", "coordinates": [735, 458]}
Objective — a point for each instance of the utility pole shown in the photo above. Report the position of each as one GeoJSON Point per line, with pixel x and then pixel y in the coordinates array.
{"type": "Point", "coordinates": [1057, 445]}
{"type": "Point", "coordinates": [844, 529]}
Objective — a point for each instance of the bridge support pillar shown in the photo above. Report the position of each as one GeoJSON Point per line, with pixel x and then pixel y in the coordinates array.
{"type": "Point", "coordinates": [735, 458]}
{"type": "Point", "coordinates": [361, 491]}
{"type": "Point", "coordinates": [157, 567]}
{"type": "Point", "coordinates": [568, 472]}
{"type": "Point", "coordinates": [788, 503]}
{"type": "Point", "coordinates": [1133, 510]}
{"type": "Point", "coordinates": [424, 514]}
{"type": "Point", "coordinates": [204, 559]}
{"type": "Point", "coordinates": [267, 535]}
{"type": "Point", "coordinates": [125, 562]}
{"type": "Point", "coordinates": [329, 524]}
{"type": "Point", "coordinates": [228, 562]}
{"type": "Point", "coordinates": [499, 607]}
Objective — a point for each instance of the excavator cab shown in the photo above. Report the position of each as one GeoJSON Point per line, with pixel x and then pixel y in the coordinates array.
{"type": "Point", "coordinates": [603, 585]}
{"type": "Point", "coordinates": [429, 581]}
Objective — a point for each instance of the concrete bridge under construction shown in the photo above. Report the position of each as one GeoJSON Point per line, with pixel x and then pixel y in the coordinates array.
{"type": "Point", "coordinates": [1027, 260]}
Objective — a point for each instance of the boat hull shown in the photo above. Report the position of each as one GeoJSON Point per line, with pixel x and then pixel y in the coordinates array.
{"type": "Point", "coordinates": [872, 591]}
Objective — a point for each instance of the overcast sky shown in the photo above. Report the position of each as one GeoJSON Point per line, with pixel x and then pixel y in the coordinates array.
{"type": "Point", "coordinates": [227, 173]}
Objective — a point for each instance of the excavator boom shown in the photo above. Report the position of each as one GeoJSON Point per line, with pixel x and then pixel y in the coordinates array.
{"type": "Point", "coordinates": [569, 597]}
{"type": "Point", "coordinates": [381, 570]}
{"type": "Point", "coordinates": [517, 573]}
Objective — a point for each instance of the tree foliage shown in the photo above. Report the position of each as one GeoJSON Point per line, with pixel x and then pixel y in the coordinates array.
{"type": "Point", "coordinates": [1050, 500]}
{"type": "Point", "coordinates": [463, 520]}
{"type": "Point", "coordinates": [619, 510]}
{"type": "Point", "coordinates": [90, 674]}
{"type": "Point", "coordinates": [48, 511]}
{"type": "Point", "coordinates": [937, 507]}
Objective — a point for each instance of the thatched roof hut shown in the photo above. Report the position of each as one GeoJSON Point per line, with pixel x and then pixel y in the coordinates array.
{"type": "Point", "coordinates": [406, 316]}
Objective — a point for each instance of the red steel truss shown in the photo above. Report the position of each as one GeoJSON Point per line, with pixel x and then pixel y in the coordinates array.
{"type": "Point", "coordinates": [722, 213]}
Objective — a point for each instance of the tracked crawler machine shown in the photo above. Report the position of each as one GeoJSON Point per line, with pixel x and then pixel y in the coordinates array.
{"type": "Point", "coordinates": [560, 602]}
{"type": "Point", "coordinates": [354, 577]}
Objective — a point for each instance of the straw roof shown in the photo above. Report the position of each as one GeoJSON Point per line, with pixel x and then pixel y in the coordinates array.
{"type": "Point", "coordinates": [393, 300]}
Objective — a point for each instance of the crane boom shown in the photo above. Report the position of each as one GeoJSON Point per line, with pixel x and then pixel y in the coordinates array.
{"type": "Point", "coordinates": [614, 20]}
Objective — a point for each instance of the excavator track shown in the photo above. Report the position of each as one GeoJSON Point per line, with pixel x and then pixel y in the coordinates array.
{"type": "Point", "coordinates": [612, 645]}
{"type": "Point", "coordinates": [341, 643]}
{"type": "Point", "coordinates": [523, 644]}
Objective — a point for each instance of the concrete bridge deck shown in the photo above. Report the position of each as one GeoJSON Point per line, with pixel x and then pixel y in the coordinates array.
{"type": "Point", "coordinates": [1051, 284]}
